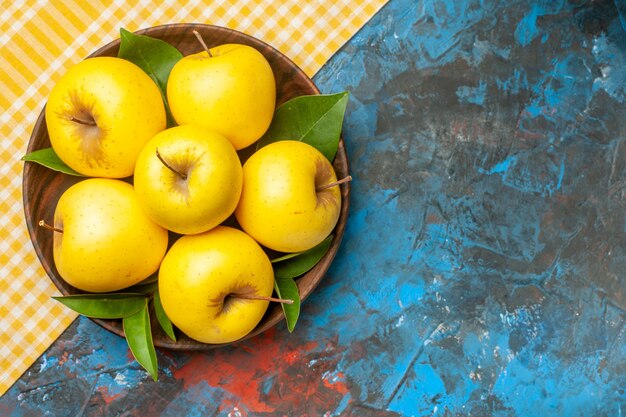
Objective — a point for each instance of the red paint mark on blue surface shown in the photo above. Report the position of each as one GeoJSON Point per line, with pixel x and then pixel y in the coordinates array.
{"type": "Point", "coordinates": [302, 377]}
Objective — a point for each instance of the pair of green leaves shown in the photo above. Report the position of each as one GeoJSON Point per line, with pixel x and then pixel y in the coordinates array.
{"type": "Point", "coordinates": [133, 309]}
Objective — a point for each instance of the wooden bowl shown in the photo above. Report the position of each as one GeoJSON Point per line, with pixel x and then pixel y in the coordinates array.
{"type": "Point", "coordinates": [42, 187]}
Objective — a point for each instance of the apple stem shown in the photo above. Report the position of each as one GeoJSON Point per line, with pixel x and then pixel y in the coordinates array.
{"type": "Point", "coordinates": [332, 184]}
{"type": "Point", "coordinates": [47, 226]}
{"type": "Point", "coordinates": [181, 174]}
{"type": "Point", "coordinates": [258, 297]}
{"type": "Point", "coordinates": [206, 48]}
{"type": "Point", "coordinates": [82, 122]}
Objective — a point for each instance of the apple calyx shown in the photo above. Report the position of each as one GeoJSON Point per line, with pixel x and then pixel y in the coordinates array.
{"type": "Point", "coordinates": [45, 225]}
{"type": "Point", "coordinates": [332, 184]}
{"type": "Point", "coordinates": [182, 175]}
{"type": "Point", "coordinates": [206, 48]}
{"type": "Point", "coordinates": [84, 121]}
{"type": "Point", "coordinates": [90, 121]}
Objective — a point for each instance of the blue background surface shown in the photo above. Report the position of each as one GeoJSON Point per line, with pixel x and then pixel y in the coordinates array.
{"type": "Point", "coordinates": [483, 267]}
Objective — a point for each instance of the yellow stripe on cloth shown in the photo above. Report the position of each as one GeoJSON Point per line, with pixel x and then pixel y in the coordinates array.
{"type": "Point", "coordinates": [39, 41]}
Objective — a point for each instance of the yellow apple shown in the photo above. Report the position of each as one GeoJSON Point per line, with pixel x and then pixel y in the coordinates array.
{"type": "Point", "coordinates": [104, 241]}
{"type": "Point", "coordinates": [232, 91]}
{"type": "Point", "coordinates": [284, 204]}
{"type": "Point", "coordinates": [188, 179]}
{"type": "Point", "coordinates": [101, 113]}
{"type": "Point", "coordinates": [206, 282]}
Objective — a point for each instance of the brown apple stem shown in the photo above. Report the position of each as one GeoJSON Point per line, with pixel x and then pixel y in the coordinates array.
{"type": "Point", "coordinates": [332, 184]}
{"type": "Point", "coordinates": [258, 297]}
{"type": "Point", "coordinates": [45, 225]}
{"type": "Point", "coordinates": [206, 48]}
{"type": "Point", "coordinates": [83, 122]}
{"type": "Point", "coordinates": [181, 174]}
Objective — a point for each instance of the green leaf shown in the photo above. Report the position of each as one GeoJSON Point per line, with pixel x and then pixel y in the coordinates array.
{"type": "Point", "coordinates": [164, 321]}
{"type": "Point", "coordinates": [154, 56]}
{"type": "Point", "coordinates": [313, 119]}
{"type": "Point", "coordinates": [288, 289]}
{"type": "Point", "coordinates": [139, 338]}
{"type": "Point", "coordinates": [293, 266]}
{"type": "Point", "coordinates": [104, 306]}
{"type": "Point", "coordinates": [48, 158]}
{"type": "Point", "coordinates": [147, 288]}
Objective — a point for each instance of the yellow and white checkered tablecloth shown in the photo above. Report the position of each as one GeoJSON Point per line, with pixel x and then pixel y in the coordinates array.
{"type": "Point", "coordinates": [39, 41]}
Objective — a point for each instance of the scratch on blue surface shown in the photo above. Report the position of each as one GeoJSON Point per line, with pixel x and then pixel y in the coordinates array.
{"type": "Point", "coordinates": [621, 9]}
{"type": "Point", "coordinates": [268, 384]}
{"type": "Point", "coordinates": [559, 182]}
{"type": "Point", "coordinates": [426, 396]}
{"type": "Point", "coordinates": [343, 405]}
{"type": "Point", "coordinates": [501, 167]}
